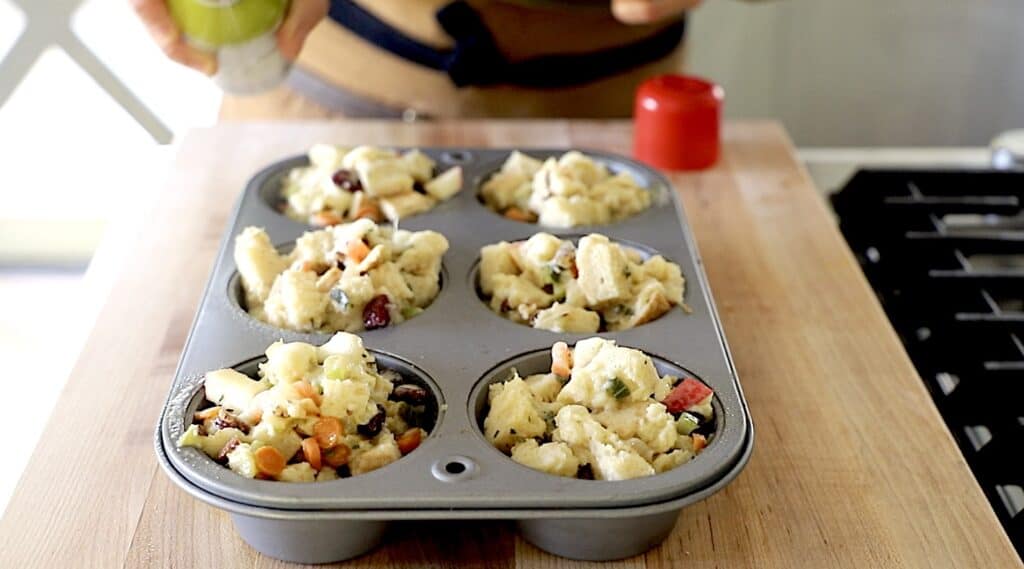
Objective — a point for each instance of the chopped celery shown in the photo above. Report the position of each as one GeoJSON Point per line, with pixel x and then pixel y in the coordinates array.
{"type": "Point", "coordinates": [686, 423]}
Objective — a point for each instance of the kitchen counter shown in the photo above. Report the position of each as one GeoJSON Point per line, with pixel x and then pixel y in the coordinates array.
{"type": "Point", "coordinates": [852, 465]}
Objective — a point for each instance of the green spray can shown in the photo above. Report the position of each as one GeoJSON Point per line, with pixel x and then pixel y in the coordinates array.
{"type": "Point", "coordinates": [240, 33]}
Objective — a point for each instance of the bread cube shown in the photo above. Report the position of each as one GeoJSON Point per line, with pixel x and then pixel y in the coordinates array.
{"type": "Point", "coordinates": [561, 211]}
{"type": "Point", "coordinates": [521, 164]}
{"type": "Point", "coordinates": [418, 165]}
{"type": "Point", "coordinates": [387, 279]}
{"type": "Point", "coordinates": [581, 167]}
{"type": "Point", "coordinates": [401, 205]}
{"type": "Point", "coordinates": [602, 271]}
{"type": "Point", "coordinates": [446, 185]}
{"type": "Point", "coordinates": [242, 461]}
{"type": "Point", "coordinates": [504, 190]}
{"type": "Point", "coordinates": [514, 415]}
{"type": "Point", "coordinates": [299, 472]}
{"type": "Point", "coordinates": [384, 452]}
{"type": "Point", "coordinates": [288, 363]}
{"type": "Point", "coordinates": [495, 260]}
{"type": "Point", "coordinates": [364, 154]}
{"type": "Point", "coordinates": [650, 303]}
{"type": "Point", "coordinates": [668, 461]}
{"type": "Point", "coordinates": [554, 458]}
{"type": "Point", "coordinates": [295, 302]}
{"type": "Point", "coordinates": [611, 463]}
{"type": "Point", "coordinates": [210, 444]}
{"type": "Point", "coordinates": [279, 433]}
{"type": "Point", "coordinates": [231, 389]}
{"type": "Point", "coordinates": [600, 363]}
{"type": "Point", "coordinates": [258, 264]}
{"type": "Point", "coordinates": [348, 400]}
{"type": "Point", "coordinates": [326, 156]}
{"type": "Point", "coordinates": [544, 386]}
{"type": "Point", "coordinates": [668, 274]}
{"type": "Point", "coordinates": [516, 291]}
{"type": "Point", "coordinates": [648, 421]}
{"type": "Point", "coordinates": [563, 317]}
{"type": "Point", "coordinates": [384, 177]}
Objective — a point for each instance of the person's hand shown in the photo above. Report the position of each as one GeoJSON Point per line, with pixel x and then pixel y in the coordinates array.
{"type": "Point", "coordinates": [649, 11]}
{"type": "Point", "coordinates": [302, 17]}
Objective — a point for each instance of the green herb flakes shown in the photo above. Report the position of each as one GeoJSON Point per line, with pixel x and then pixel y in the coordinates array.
{"type": "Point", "coordinates": [616, 388]}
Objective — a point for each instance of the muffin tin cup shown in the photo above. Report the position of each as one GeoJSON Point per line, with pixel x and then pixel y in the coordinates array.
{"type": "Point", "coordinates": [455, 346]}
{"type": "Point", "coordinates": [329, 536]}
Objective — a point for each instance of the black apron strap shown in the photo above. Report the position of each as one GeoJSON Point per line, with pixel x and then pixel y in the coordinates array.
{"type": "Point", "coordinates": [476, 60]}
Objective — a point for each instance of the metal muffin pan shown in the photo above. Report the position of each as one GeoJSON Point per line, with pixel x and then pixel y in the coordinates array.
{"type": "Point", "coordinates": [457, 346]}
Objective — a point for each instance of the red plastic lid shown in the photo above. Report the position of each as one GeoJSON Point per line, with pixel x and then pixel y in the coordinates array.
{"type": "Point", "coordinates": [677, 121]}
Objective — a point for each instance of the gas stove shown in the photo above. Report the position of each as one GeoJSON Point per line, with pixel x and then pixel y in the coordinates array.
{"type": "Point", "coordinates": [944, 252]}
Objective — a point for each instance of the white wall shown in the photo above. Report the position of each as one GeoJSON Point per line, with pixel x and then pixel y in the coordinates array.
{"type": "Point", "coordinates": [868, 72]}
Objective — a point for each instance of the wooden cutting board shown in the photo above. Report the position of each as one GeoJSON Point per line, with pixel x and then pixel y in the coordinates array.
{"type": "Point", "coordinates": [852, 465]}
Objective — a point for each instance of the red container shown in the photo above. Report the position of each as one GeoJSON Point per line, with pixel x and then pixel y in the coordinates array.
{"type": "Point", "coordinates": [676, 121]}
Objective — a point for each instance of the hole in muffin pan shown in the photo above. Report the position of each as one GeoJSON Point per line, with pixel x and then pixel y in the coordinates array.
{"type": "Point", "coordinates": [614, 168]}
{"type": "Point", "coordinates": [236, 298]}
{"type": "Point", "coordinates": [454, 469]}
{"type": "Point", "coordinates": [644, 251]}
{"type": "Point", "coordinates": [539, 361]}
{"type": "Point", "coordinates": [456, 157]}
{"type": "Point", "coordinates": [427, 418]}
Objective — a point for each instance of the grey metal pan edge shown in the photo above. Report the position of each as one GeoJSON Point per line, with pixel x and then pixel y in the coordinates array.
{"type": "Point", "coordinates": [456, 341]}
{"type": "Point", "coordinates": [481, 513]}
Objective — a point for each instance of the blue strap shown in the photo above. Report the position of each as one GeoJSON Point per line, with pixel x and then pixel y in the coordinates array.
{"type": "Point", "coordinates": [476, 59]}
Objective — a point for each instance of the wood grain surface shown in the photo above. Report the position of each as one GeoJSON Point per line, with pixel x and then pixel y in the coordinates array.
{"type": "Point", "coordinates": [852, 465]}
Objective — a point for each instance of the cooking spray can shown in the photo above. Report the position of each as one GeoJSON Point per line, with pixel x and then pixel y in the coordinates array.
{"type": "Point", "coordinates": [240, 33]}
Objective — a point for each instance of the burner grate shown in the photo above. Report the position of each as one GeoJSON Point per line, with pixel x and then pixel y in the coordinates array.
{"type": "Point", "coordinates": [944, 252]}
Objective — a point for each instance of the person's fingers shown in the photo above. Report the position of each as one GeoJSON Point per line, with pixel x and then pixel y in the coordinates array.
{"type": "Point", "coordinates": [165, 33]}
{"type": "Point", "coordinates": [302, 17]}
{"type": "Point", "coordinates": [647, 11]}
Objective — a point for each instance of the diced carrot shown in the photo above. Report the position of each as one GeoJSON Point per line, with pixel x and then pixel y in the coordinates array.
{"type": "Point", "coordinates": [325, 218]}
{"type": "Point", "coordinates": [337, 456]}
{"type": "Point", "coordinates": [209, 413]}
{"type": "Point", "coordinates": [269, 461]}
{"type": "Point", "coordinates": [561, 359]}
{"type": "Point", "coordinates": [307, 391]}
{"type": "Point", "coordinates": [356, 250]}
{"type": "Point", "coordinates": [311, 450]}
{"type": "Point", "coordinates": [410, 440]}
{"type": "Point", "coordinates": [699, 442]}
{"type": "Point", "coordinates": [516, 214]}
{"type": "Point", "coordinates": [368, 210]}
{"type": "Point", "coordinates": [328, 432]}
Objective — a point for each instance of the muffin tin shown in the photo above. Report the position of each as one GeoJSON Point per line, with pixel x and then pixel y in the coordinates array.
{"type": "Point", "coordinates": [457, 347]}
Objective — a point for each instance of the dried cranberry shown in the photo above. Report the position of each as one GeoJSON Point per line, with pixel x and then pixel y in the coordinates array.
{"type": "Point", "coordinates": [347, 180]}
{"type": "Point", "coordinates": [375, 314]}
{"type": "Point", "coordinates": [373, 427]}
{"type": "Point", "coordinates": [575, 270]}
{"type": "Point", "coordinates": [409, 393]}
{"type": "Point", "coordinates": [505, 307]}
{"type": "Point", "coordinates": [585, 472]}
{"type": "Point", "coordinates": [233, 442]}
{"type": "Point", "coordinates": [226, 420]}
